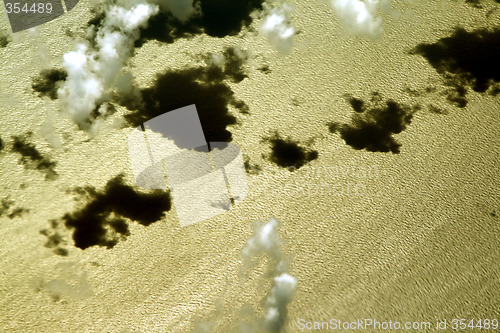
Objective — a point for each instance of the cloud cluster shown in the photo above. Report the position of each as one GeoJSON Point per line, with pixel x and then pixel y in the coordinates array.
{"type": "Point", "coordinates": [276, 26]}
{"type": "Point", "coordinates": [478, 3]}
{"type": "Point", "coordinates": [94, 75]}
{"type": "Point", "coordinates": [361, 16]}
{"type": "Point", "coordinates": [93, 68]}
{"type": "Point", "coordinates": [374, 123]}
{"type": "Point", "coordinates": [266, 242]}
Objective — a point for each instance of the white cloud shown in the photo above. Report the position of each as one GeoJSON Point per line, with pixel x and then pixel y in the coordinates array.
{"type": "Point", "coordinates": [276, 26]}
{"type": "Point", "coordinates": [281, 294]}
{"type": "Point", "coordinates": [92, 71]}
{"type": "Point", "coordinates": [361, 16]}
{"type": "Point", "coordinates": [266, 241]}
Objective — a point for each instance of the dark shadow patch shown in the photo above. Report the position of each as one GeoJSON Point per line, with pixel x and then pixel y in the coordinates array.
{"type": "Point", "coordinates": [102, 220]}
{"type": "Point", "coordinates": [56, 239]}
{"type": "Point", "coordinates": [7, 208]}
{"type": "Point", "coordinates": [218, 18]}
{"type": "Point", "coordinates": [5, 205]}
{"type": "Point", "coordinates": [434, 109]}
{"type": "Point", "coordinates": [31, 157]}
{"type": "Point", "coordinates": [4, 40]}
{"type": "Point", "coordinates": [165, 28]}
{"type": "Point", "coordinates": [474, 3]}
{"type": "Point", "coordinates": [17, 212]}
{"type": "Point", "coordinates": [222, 18]}
{"type": "Point", "coordinates": [48, 81]}
{"type": "Point", "coordinates": [373, 128]}
{"type": "Point", "coordinates": [265, 69]}
{"type": "Point", "coordinates": [478, 3]}
{"type": "Point", "coordinates": [456, 91]}
{"type": "Point", "coordinates": [251, 168]}
{"type": "Point", "coordinates": [465, 60]}
{"type": "Point", "coordinates": [357, 104]}
{"type": "Point", "coordinates": [203, 86]}
{"type": "Point", "coordinates": [1, 144]}
{"type": "Point", "coordinates": [453, 93]}
{"type": "Point", "coordinates": [289, 154]}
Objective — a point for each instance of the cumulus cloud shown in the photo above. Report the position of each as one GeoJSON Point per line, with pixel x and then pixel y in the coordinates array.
{"type": "Point", "coordinates": [361, 16]}
{"type": "Point", "coordinates": [92, 69]}
{"type": "Point", "coordinates": [276, 26]}
{"type": "Point", "coordinates": [91, 76]}
{"type": "Point", "coordinates": [266, 241]}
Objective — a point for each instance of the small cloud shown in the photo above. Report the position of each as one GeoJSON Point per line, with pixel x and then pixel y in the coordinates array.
{"type": "Point", "coordinates": [276, 26]}
{"type": "Point", "coordinates": [361, 17]}
{"type": "Point", "coordinates": [266, 242]}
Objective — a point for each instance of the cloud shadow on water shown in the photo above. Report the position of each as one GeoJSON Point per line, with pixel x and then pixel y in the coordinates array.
{"type": "Point", "coordinates": [206, 87]}
{"type": "Point", "coordinates": [374, 123]}
{"type": "Point", "coordinates": [465, 60]}
{"type": "Point", "coordinates": [103, 219]}
{"type": "Point", "coordinates": [287, 153]}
